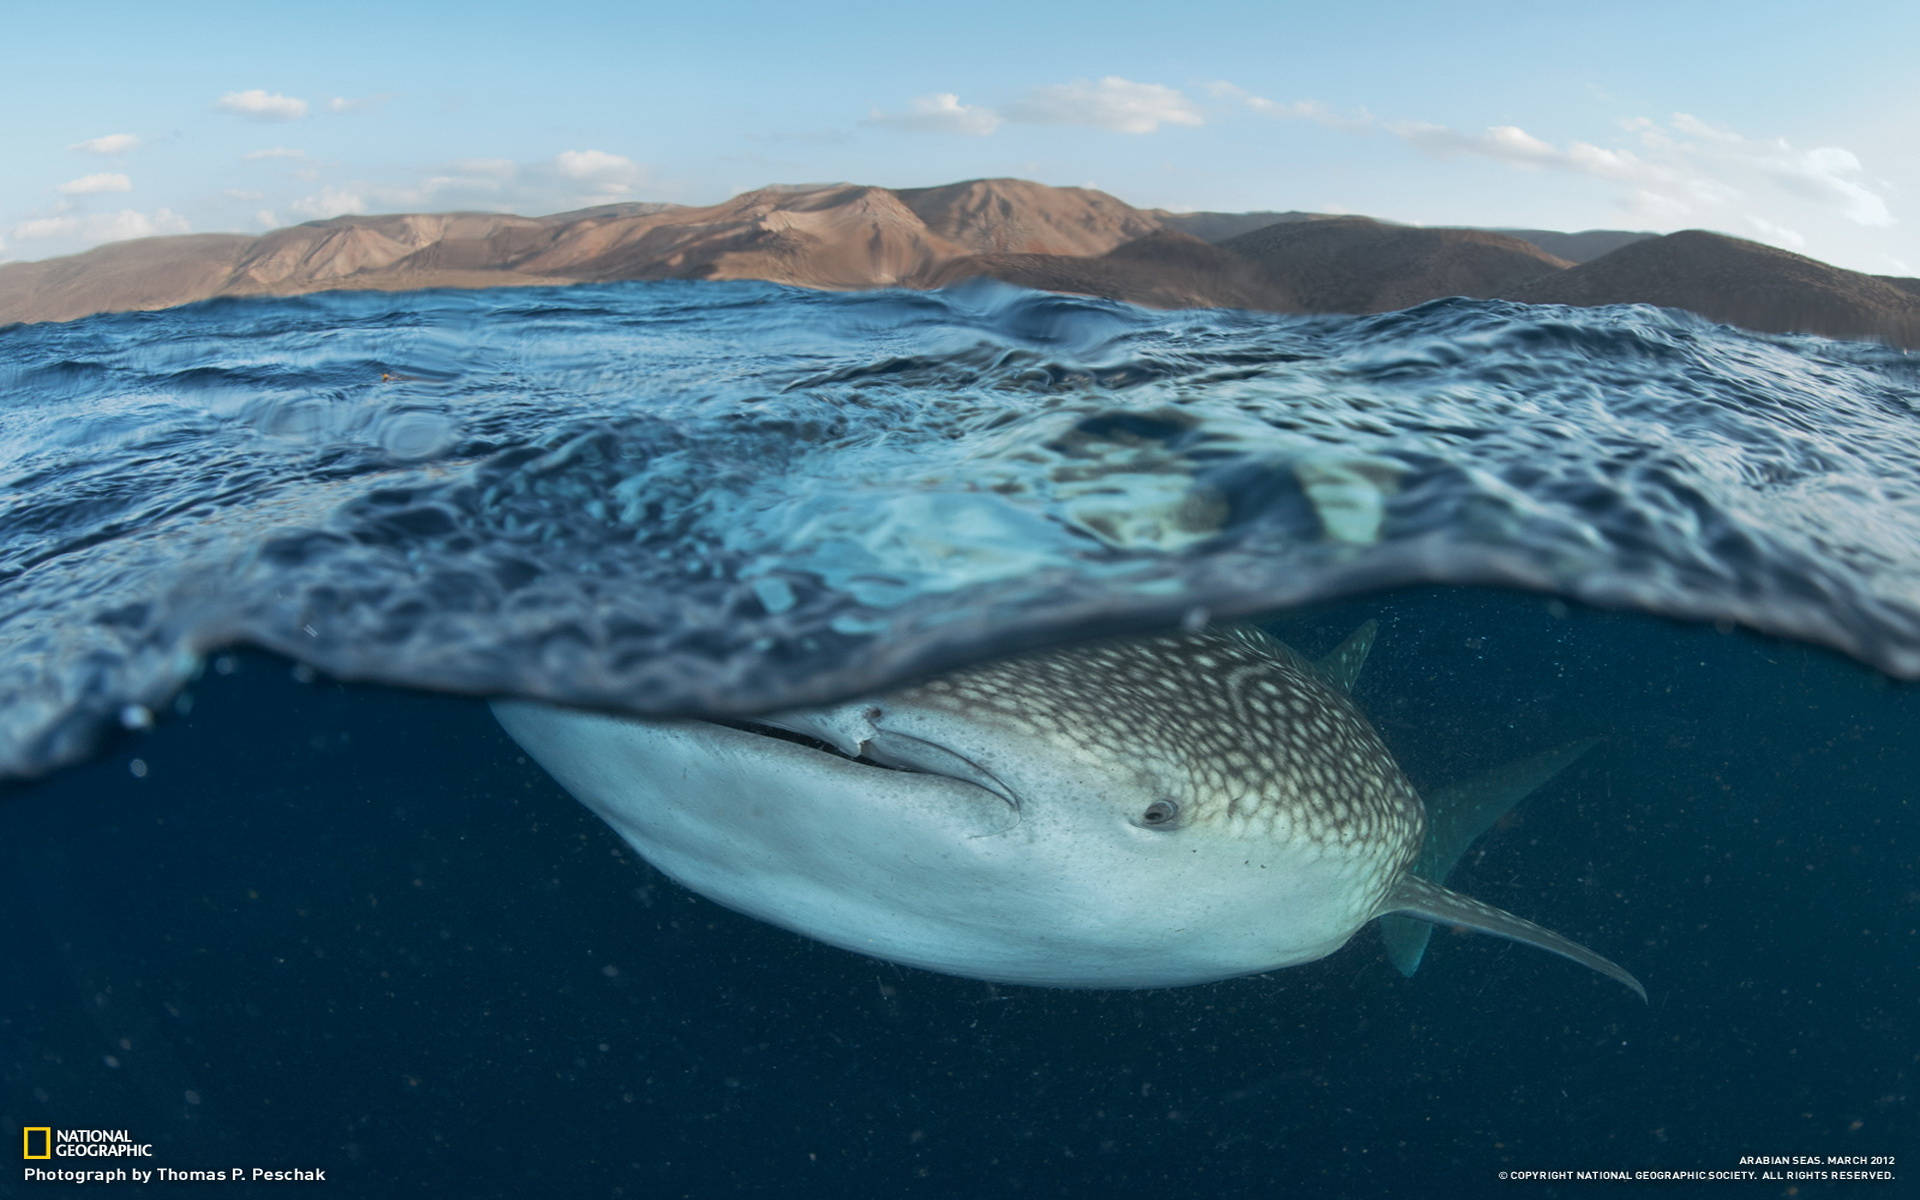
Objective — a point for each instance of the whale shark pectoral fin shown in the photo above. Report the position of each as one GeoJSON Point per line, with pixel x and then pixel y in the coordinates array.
{"type": "Point", "coordinates": [1406, 941]}
{"type": "Point", "coordinates": [1342, 667]}
{"type": "Point", "coordinates": [1416, 897]}
{"type": "Point", "coordinates": [1456, 817]}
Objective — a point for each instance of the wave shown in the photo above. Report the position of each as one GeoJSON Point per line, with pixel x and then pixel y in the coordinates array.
{"type": "Point", "coordinates": [714, 499]}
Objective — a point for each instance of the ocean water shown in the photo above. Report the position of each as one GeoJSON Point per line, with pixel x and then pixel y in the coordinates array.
{"type": "Point", "coordinates": [281, 894]}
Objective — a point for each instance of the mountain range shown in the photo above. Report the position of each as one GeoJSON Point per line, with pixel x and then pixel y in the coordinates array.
{"type": "Point", "coordinates": [850, 236]}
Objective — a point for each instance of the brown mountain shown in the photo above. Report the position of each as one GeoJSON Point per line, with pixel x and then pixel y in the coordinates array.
{"type": "Point", "coordinates": [1164, 269]}
{"type": "Point", "coordinates": [382, 252]}
{"type": "Point", "coordinates": [1013, 216]}
{"type": "Point", "coordinates": [322, 252]}
{"type": "Point", "coordinates": [1580, 247]}
{"type": "Point", "coordinates": [1219, 226]}
{"type": "Point", "coordinates": [829, 235]}
{"type": "Point", "coordinates": [834, 236]}
{"type": "Point", "coordinates": [844, 235]}
{"type": "Point", "coordinates": [1354, 264]}
{"type": "Point", "coordinates": [1741, 283]}
{"type": "Point", "coordinates": [155, 272]}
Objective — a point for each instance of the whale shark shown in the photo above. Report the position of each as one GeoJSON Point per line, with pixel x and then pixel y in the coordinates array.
{"type": "Point", "coordinates": [1141, 812]}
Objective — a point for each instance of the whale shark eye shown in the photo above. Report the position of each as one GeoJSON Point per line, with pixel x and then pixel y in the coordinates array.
{"type": "Point", "coordinates": [1160, 814]}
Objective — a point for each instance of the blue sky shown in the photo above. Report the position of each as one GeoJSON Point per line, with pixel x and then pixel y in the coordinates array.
{"type": "Point", "coordinates": [1776, 122]}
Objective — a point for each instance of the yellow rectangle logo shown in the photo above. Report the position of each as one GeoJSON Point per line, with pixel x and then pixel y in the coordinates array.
{"type": "Point", "coordinates": [46, 1141]}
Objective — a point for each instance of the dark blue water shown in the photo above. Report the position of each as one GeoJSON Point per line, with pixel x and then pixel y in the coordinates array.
{"type": "Point", "coordinates": [308, 923]}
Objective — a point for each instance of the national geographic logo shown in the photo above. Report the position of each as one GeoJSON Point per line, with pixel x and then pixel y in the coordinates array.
{"type": "Point", "coordinates": [42, 1141]}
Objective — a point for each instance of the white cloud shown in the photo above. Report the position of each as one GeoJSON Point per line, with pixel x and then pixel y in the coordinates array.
{"type": "Point", "coordinates": [273, 152]}
{"type": "Point", "coordinates": [263, 105]}
{"type": "Point", "coordinates": [243, 195]}
{"type": "Point", "coordinates": [1112, 103]}
{"type": "Point", "coordinates": [1779, 235]}
{"type": "Point", "coordinates": [1359, 120]}
{"type": "Point", "coordinates": [940, 112]}
{"type": "Point", "coordinates": [112, 143]}
{"type": "Point", "coordinates": [1220, 89]}
{"type": "Point", "coordinates": [571, 179]}
{"type": "Point", "coordinates": [93, 185]}
{"type": "Point", "coordinates": [267, 218]}
{"type": "Point", "coordinates": [46, 227]}
{"type": "Point", "coordinates": [1689, 171]}
{"type": "Point", "coordinates": [1517, 144]}
{"type": "Point", "coordinates": [590, 164]}
{"type": "Point", "coordinates": [424, 193]}
{"type": "Point", "coordinates": [485, 183]}
{"type": "Point", "coordinates": [1311, 110]}
{"type": "Point", "coordinates": [130, 224]}
{"type": "Point", "coordinates": [344, 104]}
{"type": "Point", "coordinates": [330, 202]}
{"type": "Point", "coordinates": [1509, 143]}
{"type": "Point", "coordinates": [605, 176]}
{"type": "Point", "coordinates": [1593, 160]}
{"type": "Point", "coordinates": [1693, 126]}
{"type": "Point", "coordinates": [1829, 174]}
{"type": "Point", "coordinates": [94, 228]}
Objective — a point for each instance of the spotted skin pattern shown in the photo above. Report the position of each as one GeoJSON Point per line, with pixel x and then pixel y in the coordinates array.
{"type": "Point", "coordinates": [1253, 738]}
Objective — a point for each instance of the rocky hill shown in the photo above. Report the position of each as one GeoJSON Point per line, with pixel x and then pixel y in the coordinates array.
{"type": "Point", "coordinates": [832, 236]}
{"type": "Point", "coordinates": [1741, 283]}
{"type": "Point", "coordinates": [1165, 269]}
{"type": "Point", "coordinates": [849, 236]}
{"type": "Point", "coordinates": [1353, 264]}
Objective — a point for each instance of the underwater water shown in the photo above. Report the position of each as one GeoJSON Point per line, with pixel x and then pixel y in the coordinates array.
{"type": "Point", "coordinates": [262, 916]}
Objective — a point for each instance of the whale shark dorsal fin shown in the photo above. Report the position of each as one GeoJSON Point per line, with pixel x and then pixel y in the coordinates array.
{"type": "Point", "coordinates": [1456, 817]}
{"type": "Point", "coordinates": [1416, 897]}
{"type": "Point", "coordinates": [1342, 667]}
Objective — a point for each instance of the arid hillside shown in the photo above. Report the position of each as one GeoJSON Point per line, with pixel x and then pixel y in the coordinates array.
{"type": "Point", "coordinates": [830, 236]}
{"type": "Point", "coordinates": [1353, 264]}
{"type": "Point", "coordinates": [1741, 283]}
{"type": "Point", "coordinates": [1161, 270]}
{"type": "Point", "coordinates": [851, 236]}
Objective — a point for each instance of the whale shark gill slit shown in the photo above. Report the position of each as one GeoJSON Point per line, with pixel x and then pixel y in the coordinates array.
{"type": "Point", "coordinates": [879, 747]}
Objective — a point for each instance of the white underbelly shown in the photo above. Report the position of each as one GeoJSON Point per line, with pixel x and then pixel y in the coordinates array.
{"type": "Point", "coordinates": [912, 868]}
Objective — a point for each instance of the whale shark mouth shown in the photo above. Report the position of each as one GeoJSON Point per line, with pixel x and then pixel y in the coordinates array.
{"type": "Point", "coordinates": [889, 751]}
{"type": "Point", "coordinates": [797, 738]}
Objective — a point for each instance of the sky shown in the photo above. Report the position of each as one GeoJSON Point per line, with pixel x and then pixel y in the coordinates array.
{"type": "Point", "coordinates": [1790, 125]}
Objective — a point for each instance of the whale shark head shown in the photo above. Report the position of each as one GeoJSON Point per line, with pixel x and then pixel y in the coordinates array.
{"type": "Point", "coordinates": [1141, 812]}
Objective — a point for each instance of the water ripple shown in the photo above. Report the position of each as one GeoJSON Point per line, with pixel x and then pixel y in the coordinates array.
{"type": "Point", "coordinates": [722, 497]}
